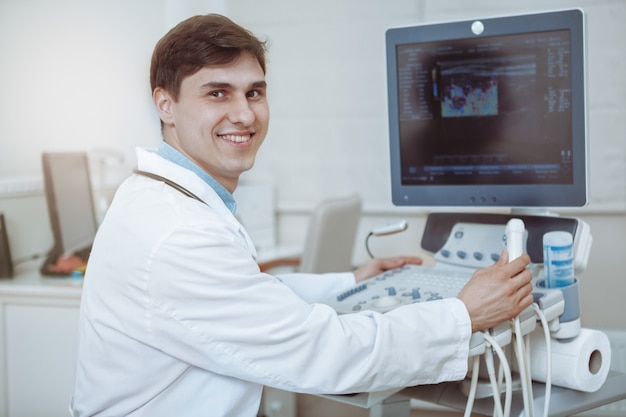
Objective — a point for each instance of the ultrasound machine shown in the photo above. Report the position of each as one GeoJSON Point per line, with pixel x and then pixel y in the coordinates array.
{"type": "Point", "coordinates": [489, 116]}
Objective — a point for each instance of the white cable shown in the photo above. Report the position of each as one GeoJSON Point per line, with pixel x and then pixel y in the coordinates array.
{"type": "Point", "coordinates": [473, 386]}
{"type": "Point", "coordinates": [506, 370]}
{"type": "Point", "coordinates": [497, 403]}
{"type": "Point", "coordinates": [529, 377]}
{"type": "Point", "coordinates": [522, 368]}
{"type": "Point", "coordinates": [500, 374]}
{"type": "Point", "coordinates": [388, 229]}
{"type": "Point", "coordinates": [546, 332]}
{"type": "Point", "coordinates": [522, 364]}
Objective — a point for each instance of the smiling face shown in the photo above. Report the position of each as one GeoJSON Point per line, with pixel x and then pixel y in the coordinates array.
{"type": "Point", "coordinates": [220, 118]}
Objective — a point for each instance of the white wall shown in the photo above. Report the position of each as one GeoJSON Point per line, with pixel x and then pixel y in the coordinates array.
{"type": "Point", "coordinates": [328, 91]}
{"type": "Point", "coordinates": [74, 76]}
{"type": "Point", "coordinates": [328, 134]}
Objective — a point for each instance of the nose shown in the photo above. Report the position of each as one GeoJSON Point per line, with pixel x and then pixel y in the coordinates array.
{"type": "Point", "coordinates": [241, 112]}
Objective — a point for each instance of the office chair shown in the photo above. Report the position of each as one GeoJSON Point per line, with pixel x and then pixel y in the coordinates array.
{"type": "Point", "coordinates": [329, 239]}
{"type": "Point", "coordinates": [330, 236]}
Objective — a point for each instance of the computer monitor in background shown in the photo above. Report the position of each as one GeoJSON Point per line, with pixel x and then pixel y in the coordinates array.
{"type": "Point", "coordinates": [70, 204]}
{"type": "Point", "coordinates": [489, 112]}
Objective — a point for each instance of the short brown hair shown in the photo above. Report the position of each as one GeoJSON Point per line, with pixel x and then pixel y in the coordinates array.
{"type": "Point", "coordinates": [197, 42]}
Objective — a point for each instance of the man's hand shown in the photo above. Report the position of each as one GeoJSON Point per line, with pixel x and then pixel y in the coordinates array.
{"type": "Point", "coordinates": [498, 293]}
{"type": "Point", "coordinates": [378, 266]}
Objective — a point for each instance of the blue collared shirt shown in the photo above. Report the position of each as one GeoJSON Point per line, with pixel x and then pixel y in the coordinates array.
{"type": "Point", "coordinates": [171, 154]}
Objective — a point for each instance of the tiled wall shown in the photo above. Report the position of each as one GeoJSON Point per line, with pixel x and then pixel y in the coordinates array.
{"type": "Point", "coordinates": [328, 132]}
{"type": "Point", "coordinates": [328, 90]}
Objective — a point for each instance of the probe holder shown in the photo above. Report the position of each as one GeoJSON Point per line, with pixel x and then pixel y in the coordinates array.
{"type": "Point", "coordinates": [568, 325]}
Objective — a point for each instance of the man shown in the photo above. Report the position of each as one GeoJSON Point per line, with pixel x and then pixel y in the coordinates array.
{"type": "Point", "coordinates": [176, 318]}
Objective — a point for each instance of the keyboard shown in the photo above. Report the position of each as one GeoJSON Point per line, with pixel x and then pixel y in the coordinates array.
{"type": "Point", "coordinates": [394, 288]}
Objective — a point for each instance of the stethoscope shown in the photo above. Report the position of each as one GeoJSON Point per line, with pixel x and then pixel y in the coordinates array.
{"type": "Point", "coordinates": [188, 194]}
{"type": "Point", "coordinates": [169, 182]}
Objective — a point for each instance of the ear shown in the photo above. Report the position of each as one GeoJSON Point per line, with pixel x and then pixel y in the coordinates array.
{"type": "Point", "coordinates": [163, 103]}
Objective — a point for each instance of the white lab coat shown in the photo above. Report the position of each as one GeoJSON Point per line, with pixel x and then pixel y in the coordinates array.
{"type": "Point", "coordinates": [177, 320]}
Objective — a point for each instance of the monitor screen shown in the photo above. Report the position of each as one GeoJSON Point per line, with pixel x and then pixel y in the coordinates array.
{"type": "Point", "coordinates": [489, 112]}
{"type": "Point", "coordinates": [70, 203]}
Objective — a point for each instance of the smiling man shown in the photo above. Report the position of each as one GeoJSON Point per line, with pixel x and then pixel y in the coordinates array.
{"type": "Point", "coordinates": [176, 317]}
{"type": "Point", "coordinates": [219, 119]}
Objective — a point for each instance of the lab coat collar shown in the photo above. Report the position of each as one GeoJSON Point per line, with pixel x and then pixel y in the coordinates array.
{"type": "Point", "coordinates": [150, 161]}
{"type": "Point", "coordinates": [172, 154]}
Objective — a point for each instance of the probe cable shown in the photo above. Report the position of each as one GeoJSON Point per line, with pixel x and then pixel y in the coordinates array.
{"type": "Point", "coordinates": [520, 353]}
{"type": "Point", "coordinates": [367, 245]}
{"type": "Point", "coordinates": [473, 386]}
{"type": "Point", "coordinates": [506, 369]}
{"type": "Point", "coordinates": [389, 229]}
{"type": "Point", "coordinates": [497, 402]}
{"type": "Point", "coordinates": [546, 332]}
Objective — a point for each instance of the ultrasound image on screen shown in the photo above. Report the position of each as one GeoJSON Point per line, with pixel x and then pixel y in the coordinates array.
{"type": "Point", "coordinates": [468, 90]}
{"type": "Point", "coordinates": [477, 110]}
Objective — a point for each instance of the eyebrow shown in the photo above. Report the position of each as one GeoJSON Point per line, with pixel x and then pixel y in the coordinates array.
{"type": "Point", "coordinates": [225, 85]}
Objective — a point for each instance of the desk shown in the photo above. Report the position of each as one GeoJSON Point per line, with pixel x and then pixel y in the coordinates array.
{"type": "Point", "coordinates": [563, 402]}
{"type": "Point", "coordinates": [38, 328]}
{"type": "Point", "coordinates": [271, 257]}
{"type": "Point", "coordinates": [38, 324]}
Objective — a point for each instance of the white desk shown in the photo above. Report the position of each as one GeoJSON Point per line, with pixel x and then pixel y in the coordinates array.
{"type": "Point", "coordinates": [279, 258]}
{"type": "Point", "coordinates": [563, 402]}
{"type": "Point", "coordinates": [38, 325]}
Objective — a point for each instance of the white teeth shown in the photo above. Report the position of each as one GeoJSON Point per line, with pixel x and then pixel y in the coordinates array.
{"type": "Point", "coordinates": [236, 138]}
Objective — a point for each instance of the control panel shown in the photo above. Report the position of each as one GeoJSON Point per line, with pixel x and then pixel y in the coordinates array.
{"type": "Point", "coordinates": [474, 246]}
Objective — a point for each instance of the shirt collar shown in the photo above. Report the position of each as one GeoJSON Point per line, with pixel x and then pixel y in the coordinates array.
{"type": "Point", "coordinates": [171, 154]}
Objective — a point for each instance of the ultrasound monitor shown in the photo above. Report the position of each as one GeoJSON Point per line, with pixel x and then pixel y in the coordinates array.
{"type": "Point", "coordinates": [70, 203]}
{"type": "Point", "coordinates": [489, 112]}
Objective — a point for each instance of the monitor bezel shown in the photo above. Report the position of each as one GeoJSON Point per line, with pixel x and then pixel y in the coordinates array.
{"type": "Point", "coordinates": [49, 160]}
{"type": "Point", "coordinates": [511, 196]}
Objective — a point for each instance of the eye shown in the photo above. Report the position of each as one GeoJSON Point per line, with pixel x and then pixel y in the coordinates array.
{"type": "Point", "coordinates": [217, 94]}
{"type": "Point", "coordinates": [254, 94]}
